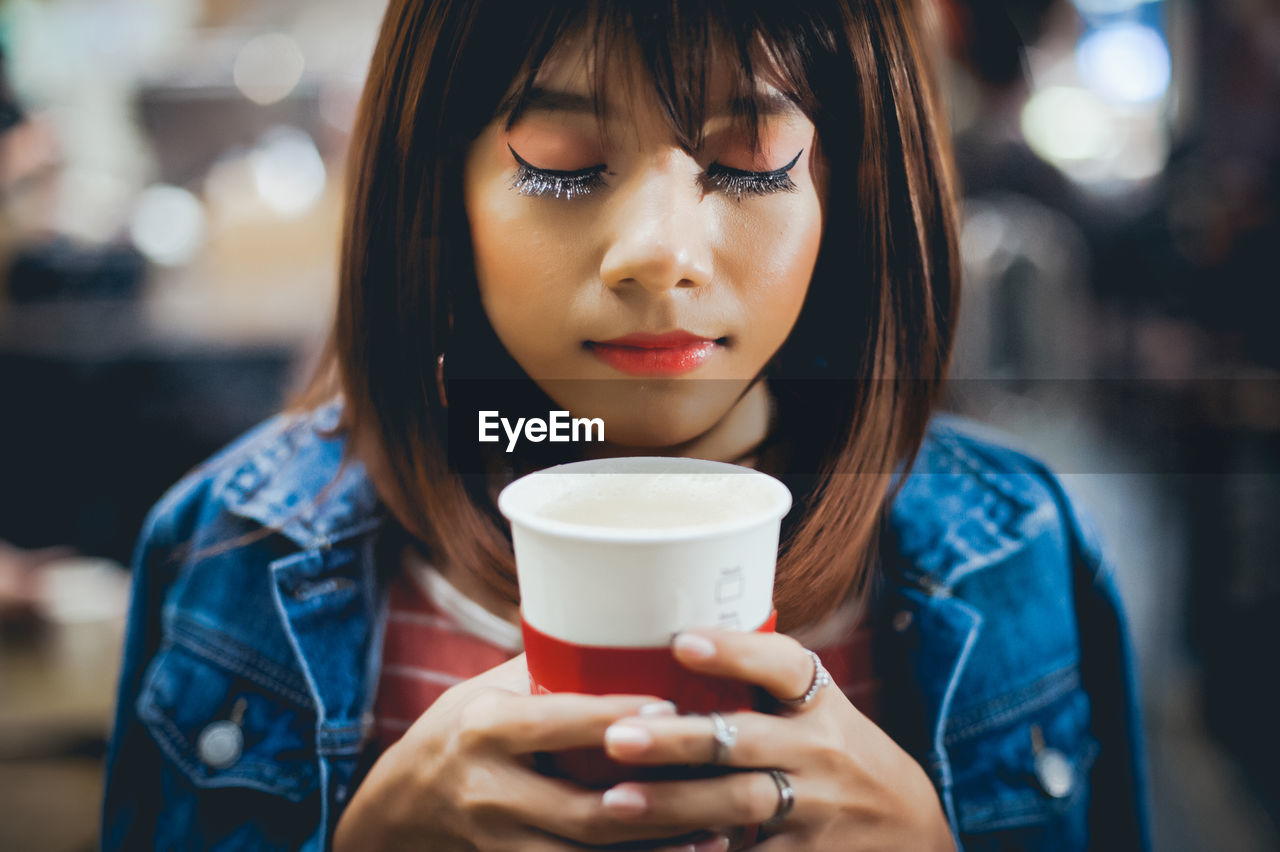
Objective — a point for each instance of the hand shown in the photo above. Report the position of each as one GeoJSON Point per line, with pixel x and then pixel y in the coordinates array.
{"type": "Point", "coordinates": [855, 788]}
{"type": "Point", "coordinates": [462, 776]}
{"type": "Point", "coordinates": [20, 587]}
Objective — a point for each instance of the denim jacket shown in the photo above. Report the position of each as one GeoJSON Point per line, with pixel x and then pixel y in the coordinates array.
{"type": "Point", "coordinates": [254, 640]}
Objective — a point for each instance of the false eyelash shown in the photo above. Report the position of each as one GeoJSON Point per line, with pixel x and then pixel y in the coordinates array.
{"type": "Point", "coordinates": [738, 182]}
{"type": "Point", "coordinates": [539, 182]}
{"type": "Point", "coordinates": [530, 180]}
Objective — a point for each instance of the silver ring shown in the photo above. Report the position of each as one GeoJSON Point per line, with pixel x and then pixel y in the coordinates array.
{"type": "Point", "coordinates": [820, 679]}
{"type": "Point", "coordinates": [723, 739]}
{"type": "Point", "coordinates": [786, 799]}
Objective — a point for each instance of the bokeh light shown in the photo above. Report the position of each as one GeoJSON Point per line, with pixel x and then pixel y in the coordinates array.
{"type": "Point", "coordinates": [168, 224]}
{"type": "Point", "coordinates": [1110, 7]}
{"type": "Point", "coordinates": [1064, 124]}
{"type": "Point", "coordinates": [268, 68]}
{"type": "Point", "coordinates": [1126, 63]}
{"type": "Point", "coordinates": [288, 171]}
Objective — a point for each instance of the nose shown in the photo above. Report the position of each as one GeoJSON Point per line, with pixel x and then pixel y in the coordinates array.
{"type": "Point", "coordinates": [659, 230]}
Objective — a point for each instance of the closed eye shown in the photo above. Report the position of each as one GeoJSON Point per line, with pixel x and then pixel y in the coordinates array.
{"type": "Point", "coordinates": [531, 180]}
{"type": "Point", "coordinates": [739, 182]}
{"type": "Point", "coordinates": [538, 182]}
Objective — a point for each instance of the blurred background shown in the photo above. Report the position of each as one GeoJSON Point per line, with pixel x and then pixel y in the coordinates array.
{"type": "Point", "coordinates": [170, 200]}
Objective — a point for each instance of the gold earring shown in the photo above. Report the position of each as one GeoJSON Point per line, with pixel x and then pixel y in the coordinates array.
{"type": "Point", "coordinates": [444, 400]}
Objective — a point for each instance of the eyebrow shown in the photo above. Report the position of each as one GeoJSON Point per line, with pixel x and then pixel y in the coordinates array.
{"type": "Point", "coordinates": [541, 99]}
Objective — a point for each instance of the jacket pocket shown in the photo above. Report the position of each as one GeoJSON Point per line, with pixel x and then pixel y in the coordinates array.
{"type": "Point", "coordinates": [222, 729]}
{"type": "Point", "coordinates": [1024, 784]}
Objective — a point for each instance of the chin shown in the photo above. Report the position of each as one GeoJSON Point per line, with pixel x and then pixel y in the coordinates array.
{"type": "Point", "coordinates": [649, 415]}
{"type": "Point", "coordinates": [654, 434]}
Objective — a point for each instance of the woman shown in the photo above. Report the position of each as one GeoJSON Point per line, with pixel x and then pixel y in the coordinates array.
{"type": "Point", "coordinates": [727, 231]}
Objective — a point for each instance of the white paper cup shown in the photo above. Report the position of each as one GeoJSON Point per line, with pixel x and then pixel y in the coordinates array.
{"type": "Point", "coordinates": [626, 552]}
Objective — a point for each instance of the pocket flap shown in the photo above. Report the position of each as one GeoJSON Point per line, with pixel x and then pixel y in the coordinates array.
{"type": "Point", "coordinates": [1029, 773]}
{"type": "Point", "coordinates": [223, 730]}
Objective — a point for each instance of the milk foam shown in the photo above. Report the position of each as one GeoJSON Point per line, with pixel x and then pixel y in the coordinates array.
{"type": "Point", "coordinates": [653, 500]}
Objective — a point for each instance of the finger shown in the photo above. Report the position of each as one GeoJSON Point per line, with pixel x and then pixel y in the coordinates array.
{"type": "Point", "coordinates": [761, 740]}
{"type": "Point", "coordinates": [45, 555]}
{"type": "Point", "coordinates": [534, 840]}
{"type": "Point", "coordinates": [739, 798]}
{"type": "Point", "coordinates": [713, 843]}
{"type": "Point", "coordinates": [523, 724]}
{"type": "Point", "coordinates": [564, 810]}
{"type": "Point", "coordinates": [774, 661]}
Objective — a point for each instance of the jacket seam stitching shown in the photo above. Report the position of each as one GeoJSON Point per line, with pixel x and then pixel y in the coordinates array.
{"type": "Point", "coordinates": [223, 651]}
{"type": "Point", "coordinates": [1006, 708]}
{"type": "Point", "coordinates": [992, 482]}
{"type": "Point", "coordinates": [971, 562]}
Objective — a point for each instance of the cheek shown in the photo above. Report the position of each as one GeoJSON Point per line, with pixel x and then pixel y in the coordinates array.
{"type": "Point", "coordinates": [501, 248]}
{"type": "Point", "coordinates": [774, 261]}
{"type": "Point", "coordinates": [519, 265]}
{"type": "Point", "coordinates": [493, 219]}
{"type": "Point", "coordinates": [517, 283]}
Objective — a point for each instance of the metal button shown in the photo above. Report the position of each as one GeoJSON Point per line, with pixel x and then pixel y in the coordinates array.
{"type": "Point", "coordinates": [933, 588]}
{"type": "Point", "coordinates": [220, 744]}
{"type": "Point", "coordinates": [1054, 772]}
{"type": "Point", "coordinates": [902, 620]}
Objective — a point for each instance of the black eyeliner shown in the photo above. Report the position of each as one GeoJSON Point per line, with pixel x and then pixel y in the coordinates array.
{"type": "Point", "coordinates": [554, 173]}
{"type": "Point", "coordinates": [775, 173]}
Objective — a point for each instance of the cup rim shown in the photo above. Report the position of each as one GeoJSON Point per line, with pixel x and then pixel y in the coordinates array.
{"type": "Point", "coordinates": [528, 519]}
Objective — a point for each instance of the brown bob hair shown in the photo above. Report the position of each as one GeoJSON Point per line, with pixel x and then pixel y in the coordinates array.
{"type": "Point", "coordinates": [857, 378]}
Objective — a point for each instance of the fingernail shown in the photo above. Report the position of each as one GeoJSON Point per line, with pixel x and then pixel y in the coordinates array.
{"type": "Point", "coordinates": [657, 708]}
{"type": "Point", "coordinates": [627, 736]}
{"type": "Point", "coordinates": [624, 799]}
{"type": "Point", "coordinates": [693, 645]}
{"type": "Point", "coordinates": [719, 843]}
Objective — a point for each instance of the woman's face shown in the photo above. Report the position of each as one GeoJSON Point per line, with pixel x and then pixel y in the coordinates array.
{"type": "Point", "coordinates": [632, 280]}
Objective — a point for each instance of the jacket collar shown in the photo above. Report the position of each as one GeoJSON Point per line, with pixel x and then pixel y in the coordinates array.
{"type": "Point", "coordinates": [294, 480]}
{"type": "Point", "coordinates": [961, 510]}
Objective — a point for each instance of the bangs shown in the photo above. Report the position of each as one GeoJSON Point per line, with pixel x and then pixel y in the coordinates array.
{"type": "Point", "coordinates": [677, 46]}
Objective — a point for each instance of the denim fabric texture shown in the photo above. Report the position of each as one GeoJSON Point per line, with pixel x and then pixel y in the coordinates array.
{"type": "Point", "coordinates": [257, 618]}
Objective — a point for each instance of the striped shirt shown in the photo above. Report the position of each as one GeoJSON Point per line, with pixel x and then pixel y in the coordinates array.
{"type": "Point", "coordinates": [436, 637]}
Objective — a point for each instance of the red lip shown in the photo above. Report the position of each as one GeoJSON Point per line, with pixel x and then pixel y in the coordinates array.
{"type": "Point", "coordinates": [670, 340]}
{"type": "Point", "coordinates": [642, 354]}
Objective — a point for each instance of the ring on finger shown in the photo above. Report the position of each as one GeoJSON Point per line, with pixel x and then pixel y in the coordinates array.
{"type": "Point", "coordinates": [786, 799]}
{"type": "Point", "coordinates": [820, 679]}
{"type": "Point", "coordinates": [722, 739]}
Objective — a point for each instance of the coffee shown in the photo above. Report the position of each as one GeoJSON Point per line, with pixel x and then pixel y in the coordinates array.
{"type": "Point", "coordinates": [654, 500]}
